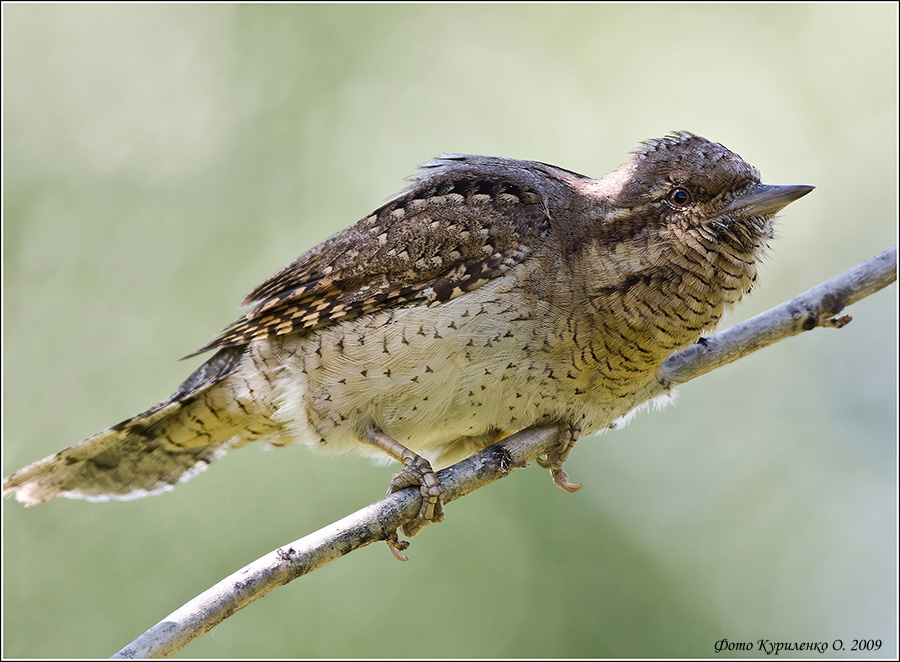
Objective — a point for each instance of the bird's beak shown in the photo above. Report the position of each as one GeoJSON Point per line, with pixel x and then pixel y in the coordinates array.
{"type": "Point", "coordinates": [764, 199]}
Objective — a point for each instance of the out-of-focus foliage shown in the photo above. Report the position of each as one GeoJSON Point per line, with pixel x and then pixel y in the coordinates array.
{"type": "Point", "coordinates": [160, 160]}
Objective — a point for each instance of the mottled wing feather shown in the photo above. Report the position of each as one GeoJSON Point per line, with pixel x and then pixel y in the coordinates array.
{"type": "Point", "coordinates": [442, 237]}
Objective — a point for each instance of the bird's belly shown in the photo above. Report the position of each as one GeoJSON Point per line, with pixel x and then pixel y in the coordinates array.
{"type": "Point", "coordinates": [443, 381]}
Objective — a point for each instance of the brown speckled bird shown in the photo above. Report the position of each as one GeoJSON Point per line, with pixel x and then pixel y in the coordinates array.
{"type": "Point", "coordinates": [489, 296]}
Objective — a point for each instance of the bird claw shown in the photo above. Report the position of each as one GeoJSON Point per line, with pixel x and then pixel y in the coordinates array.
{"type": "Point", "coordinates": [554, 460]}
{"type": "Point", "coordinates": [397, 546]}
{"type": "Point", "coordinates": [417, 471]}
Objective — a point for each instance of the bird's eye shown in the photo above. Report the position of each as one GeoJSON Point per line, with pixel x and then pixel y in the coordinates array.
{"type": "Point", "coordinates": [679, 197]}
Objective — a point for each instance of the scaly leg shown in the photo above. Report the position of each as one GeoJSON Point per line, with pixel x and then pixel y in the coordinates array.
{"type": "Point", "coordinates": [568, 435]}
{"type": "Point", "coordinates": [416, 471]}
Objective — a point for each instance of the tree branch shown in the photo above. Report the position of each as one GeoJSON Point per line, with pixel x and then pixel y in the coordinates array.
{"type": "Point", "coordinates": [815, 307]}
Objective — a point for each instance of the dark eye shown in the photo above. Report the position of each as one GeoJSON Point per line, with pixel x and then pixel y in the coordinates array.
{"type": "Point", "coordinates": [679, 197]}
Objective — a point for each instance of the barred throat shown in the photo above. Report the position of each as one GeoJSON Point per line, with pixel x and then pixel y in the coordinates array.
{"type": "Point", "coordinates": [650, 305]}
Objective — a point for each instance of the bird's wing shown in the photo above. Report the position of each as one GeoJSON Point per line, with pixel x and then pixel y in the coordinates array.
{"type": "Point", "coordinates": [464, 221]}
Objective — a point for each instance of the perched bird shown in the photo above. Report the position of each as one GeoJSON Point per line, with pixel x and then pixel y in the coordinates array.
{"type": "Point", "coordinates": [491, 295]}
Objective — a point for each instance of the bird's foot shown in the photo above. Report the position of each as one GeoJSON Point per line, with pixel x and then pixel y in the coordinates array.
{"type": "Point", "coordinates": [554, 460]}
{"type": "Point", "coordinates": [417, 471]}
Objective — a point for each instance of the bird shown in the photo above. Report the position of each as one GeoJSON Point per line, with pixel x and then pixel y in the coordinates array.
{"type": "Point", "coordinates": [489, 296]}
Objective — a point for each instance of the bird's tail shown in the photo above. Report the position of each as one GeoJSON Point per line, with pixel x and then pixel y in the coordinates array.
{"type": "Point", "coordinates": [157, 449]}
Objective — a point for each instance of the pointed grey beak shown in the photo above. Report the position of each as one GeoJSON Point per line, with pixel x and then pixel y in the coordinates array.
{"type": "Point", "coordinates": [765, 199]}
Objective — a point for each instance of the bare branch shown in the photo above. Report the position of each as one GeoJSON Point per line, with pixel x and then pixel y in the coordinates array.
{"type": "Point", "coordinates": [370, 524]}
{"type": "Point", "coordinates": [815, 307]}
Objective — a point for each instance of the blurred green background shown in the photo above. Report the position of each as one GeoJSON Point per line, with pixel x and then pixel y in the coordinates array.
{"type": "Point", "coordinates": [160, 161]}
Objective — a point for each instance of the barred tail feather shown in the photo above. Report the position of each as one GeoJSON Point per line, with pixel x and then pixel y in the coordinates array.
{"type": "Point", "coordinates": [152, 452]}
{"type": "Point", "coordinates": [122, 462]}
